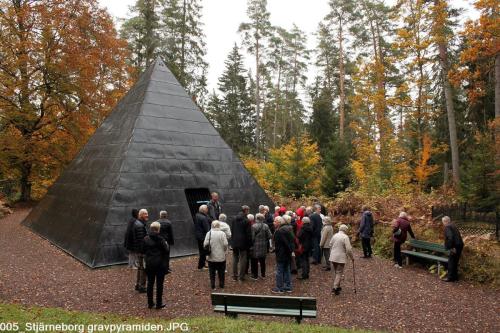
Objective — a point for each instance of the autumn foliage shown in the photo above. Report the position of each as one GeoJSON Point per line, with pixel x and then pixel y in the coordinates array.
{"type": "Point", "coordinates": [62, 69]}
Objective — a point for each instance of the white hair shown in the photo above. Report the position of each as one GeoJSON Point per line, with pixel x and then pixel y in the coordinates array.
{"type": "Point", "coordinates": [266, 208]}
{"type": "Point", "coordinates": [203, 208]}
{"type": "Point", "coordinates": [306, 220]}
{"type": "Point", "coordinates": [155, 227]}
{"type": "Point", "coordinates": [446, 219]}
{"type": "Point", "coordinates": [287, 218]}
{"type": "Point", "coordinates": [261, 208]}
{"type": "Point", "coordinates": [215, 224]}
{"type": "Point", "coordinates": [163, 214]}
{"type": "Point", "coordinates": [403, 215]}
{"type": "Point", "coordinates": [279, 219]}
{"type": "Point", "coordinates": [142, 212]}
{"type": "Point", "coordinates": [260, 217]}
{"type": "Point", "coordinates": [250, 217]}
{"type": "Point", "coordinates": [223, 217]}
{"type": "Point", "coordinates": [276, 208]}
{"type": "Point", "coordinates": [343, 227]}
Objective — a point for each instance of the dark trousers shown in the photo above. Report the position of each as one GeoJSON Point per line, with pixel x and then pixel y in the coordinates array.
{"type": "Point", "coordinates": [304, 263]}
{"type": "Point", "coordinates": [219, 268]}
{"type": "Point", "coordinates": [141, 274]}
{"type": "Point", "coordinates": [203, 255]}
{"type": "Point", "coordinates": [159, 276]}
{"type": "Point", "coordinates": [397, 253]}
{"type": "Point", "coordinates": [453, 265]}
{"type": "Point", "coordinates": [367, 246]}
{"type": "Point", "coordinates": [240, 263]}
{"type": "Point", "coordinates": [316, 252]}
{"type": "Point", "coordinates": [255, 266]}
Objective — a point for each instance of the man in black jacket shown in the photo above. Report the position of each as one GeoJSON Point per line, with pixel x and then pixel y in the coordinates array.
{"type": "Point", "coordinates": [156, 252]}
{"type": "Point", "coordinates": [139, 232]}
{"type": "Point", "coordinates": [167, 232]}
{"type": "Point", "coordinates": [201, 227]}
{"type": "Point", "coordinates": [214, 207]}
{"type": "Point", "coordinates": [454, 243]}
{"type": "Point", "coordinates": [316, 224]}
{"type": "Point", "coordinates": [241, 238]}
{"type": "Point", "coordinates": [284, 246]}
{"type": "Point", "coordinates": [129, 240]}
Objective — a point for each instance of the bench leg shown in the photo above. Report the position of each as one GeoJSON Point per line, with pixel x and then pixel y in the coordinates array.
{"type": "Point", "coordinates": [439, 269]}
{"type": "Point", "coordinates": [298, 319]}
{"type": "Point", "coordinates": [232, 315]}
{"type": "Point", "coordinates": [407, 260]}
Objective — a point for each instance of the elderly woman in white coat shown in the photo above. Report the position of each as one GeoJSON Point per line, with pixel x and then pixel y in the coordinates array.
{"type": "Point", "coordinates": [340, 251]}
{"type": "Point", "coordinates": [216, 244]}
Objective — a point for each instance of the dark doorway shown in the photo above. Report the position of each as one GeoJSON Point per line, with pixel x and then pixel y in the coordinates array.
{"type": "Point", "coordinates": [195, 198]}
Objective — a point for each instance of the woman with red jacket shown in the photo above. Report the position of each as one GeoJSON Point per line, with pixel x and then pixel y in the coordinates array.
{"type": "Point", "coordinates": [400, 230]}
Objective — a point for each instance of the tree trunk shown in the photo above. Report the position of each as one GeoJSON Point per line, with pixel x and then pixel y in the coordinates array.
{"type": "Point", "coordinates": [183, 45]}
{"type": "Point", "coordinates": [497, 111]}
{"type": "Point", "coordinates": [342, 78]}
{"type": "Point", "coordinates": [25, 182]}
{"type": "Point", "coordinates": [278, 95]}
{"type": "Point", "coordinates": [257, 96]}
{"type": "Point", "coordinates": [443, 59]}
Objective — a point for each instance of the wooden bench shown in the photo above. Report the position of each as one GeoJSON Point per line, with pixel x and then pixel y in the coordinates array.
{"type": "Point", "coordinates": [427, 250]}
{"type": "Point", "coordinates": [234, 304]}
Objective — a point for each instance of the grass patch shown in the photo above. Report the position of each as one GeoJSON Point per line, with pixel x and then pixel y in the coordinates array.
{"type": "Point", "coordinates": [13, 313]}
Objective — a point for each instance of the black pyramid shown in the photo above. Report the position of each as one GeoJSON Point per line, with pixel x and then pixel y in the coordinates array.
{"type": "Point", "coordinates": [156, 150]}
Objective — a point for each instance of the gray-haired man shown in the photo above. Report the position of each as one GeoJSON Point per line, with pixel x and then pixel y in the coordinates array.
{"type": "Point", "coordinates": [167, 232]}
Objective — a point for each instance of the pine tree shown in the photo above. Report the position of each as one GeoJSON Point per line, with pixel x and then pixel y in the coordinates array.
{"type": "Point", "coordinates": [441, 34]}
{"type": "Point", "coordinates": [255, 35]}
{"type": "Point", "coordinates": [322, 125]}
{"type": "Point", "coordinates": [172, 30]}
{"type": "Point", "coordinates": [236, 117]}
{"type": "Point", "coordinates": [337, 176]}
{"type": "Point", "coordinates": [183, 45]}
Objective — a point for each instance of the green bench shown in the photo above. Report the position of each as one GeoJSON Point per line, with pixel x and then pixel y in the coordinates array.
{"type": "Point", "coordinates": [233, 304]}
{"type": "Point", "coordinates": [427, 250]}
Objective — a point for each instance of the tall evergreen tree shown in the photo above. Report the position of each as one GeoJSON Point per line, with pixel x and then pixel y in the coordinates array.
{"type": "Point", "coordinates": [171, 29]}
{"type": "Point", "coordinates": [255, 35]}
{"type": "Point", "coordinates": [141, 32]}
{"type": "Point", "coordinates": [183, 45]}
{"type": "Point", "coordinates": [236, 116]}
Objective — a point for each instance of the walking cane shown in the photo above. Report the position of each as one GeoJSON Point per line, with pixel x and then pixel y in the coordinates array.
{"type": "Point", "coordinates": [354, 276]}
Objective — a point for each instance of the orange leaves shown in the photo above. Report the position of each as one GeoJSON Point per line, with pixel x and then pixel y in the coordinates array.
{"type": "Point", "coordinates": [63, 69]}
{"type": "Point", "coordinates": [423, 170]}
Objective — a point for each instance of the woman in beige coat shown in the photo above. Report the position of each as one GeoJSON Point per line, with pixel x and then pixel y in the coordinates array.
{"type": "Point", "coordinates": [326, 238]}
{"type": "Point", "coordinates": [340, 251]}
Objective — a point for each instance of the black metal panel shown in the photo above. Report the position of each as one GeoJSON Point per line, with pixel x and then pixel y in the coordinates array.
{"type": "Point", "coordinates": [155, 144]}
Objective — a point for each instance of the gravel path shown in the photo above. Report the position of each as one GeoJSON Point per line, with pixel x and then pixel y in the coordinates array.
{"type": "Point", "coordinates": [33, 272]}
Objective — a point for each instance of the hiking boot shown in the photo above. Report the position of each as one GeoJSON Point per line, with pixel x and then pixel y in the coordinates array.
{"type": "Point", "coordinates": [277, 291]}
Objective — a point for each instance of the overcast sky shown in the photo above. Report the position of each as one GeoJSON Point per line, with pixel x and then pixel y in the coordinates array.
{"type": "Point", "coordinates": [222, 18]}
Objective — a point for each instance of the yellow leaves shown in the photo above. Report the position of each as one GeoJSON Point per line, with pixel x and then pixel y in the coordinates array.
{"type": "Point", "coordinates": [293, 169]}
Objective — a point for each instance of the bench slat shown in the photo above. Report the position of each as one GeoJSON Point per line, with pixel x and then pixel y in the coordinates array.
{"type": "Point", "coordinates": [424, 255]}
{"type": "Point", "coordinates": [267, 311]}
{"type": "Point", "coordinates": [257, 301]}
{"type": "Point", "coordinates": [418, 244]}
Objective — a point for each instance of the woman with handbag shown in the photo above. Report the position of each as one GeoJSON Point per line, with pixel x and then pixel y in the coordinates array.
{"type": "Point", "coordinates": [215, 246]}
{"type": "Point", "coordinates": [258, 252]}
{"type": "Point", "coordinates": [400, 230]}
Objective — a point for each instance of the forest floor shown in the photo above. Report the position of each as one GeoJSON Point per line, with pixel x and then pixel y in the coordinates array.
{"type": "Point", "coordinates": [34, 272]}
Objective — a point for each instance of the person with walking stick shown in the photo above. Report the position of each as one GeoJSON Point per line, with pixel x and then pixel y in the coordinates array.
{"type": "Point", "coordinates": [340, 251]}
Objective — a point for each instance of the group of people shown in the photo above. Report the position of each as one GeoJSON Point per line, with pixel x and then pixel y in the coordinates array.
{"type": "Point", "coordinates": [298, 239]}
{"type": "Point", "coordinates": [149, 252]}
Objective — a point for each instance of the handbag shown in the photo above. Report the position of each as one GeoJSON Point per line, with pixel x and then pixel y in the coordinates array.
{"type": "Point", "coordinates": [208, 248]}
